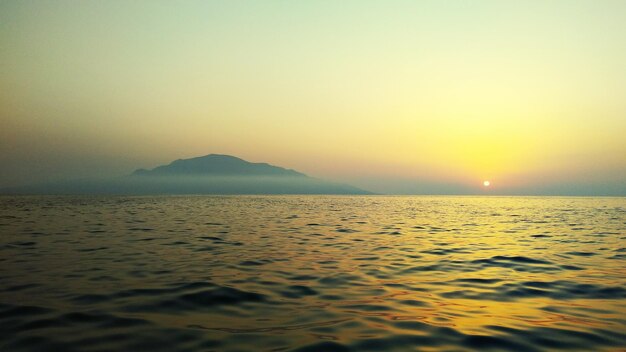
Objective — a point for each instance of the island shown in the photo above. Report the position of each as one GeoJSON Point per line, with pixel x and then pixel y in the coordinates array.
{"type": "Point", "coordinates": [209, 174]}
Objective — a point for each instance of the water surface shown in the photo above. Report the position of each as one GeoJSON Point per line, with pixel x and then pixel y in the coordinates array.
{"type": "Point", "coordinates": [312, 273]}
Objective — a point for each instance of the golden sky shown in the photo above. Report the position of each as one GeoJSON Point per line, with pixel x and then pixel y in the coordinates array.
{"type": "Point", "coordinates": [394, 96]}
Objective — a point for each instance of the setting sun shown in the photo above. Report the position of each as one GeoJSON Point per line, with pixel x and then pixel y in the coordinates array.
{"type": "Point", "coordinates": [178, 176]}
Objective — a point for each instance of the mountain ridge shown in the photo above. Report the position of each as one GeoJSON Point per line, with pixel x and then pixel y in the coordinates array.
{"type": "Point", "coordinates": [209, 174]}
{"type": "Point", "coordinates": [217, 164]}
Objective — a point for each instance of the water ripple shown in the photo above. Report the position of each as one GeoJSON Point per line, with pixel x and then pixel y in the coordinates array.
{"type": "Point", "coordinates": [312, 273]}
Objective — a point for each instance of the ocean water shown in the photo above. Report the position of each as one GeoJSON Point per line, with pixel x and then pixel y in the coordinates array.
{"type": "Point", "coordinates": [312, 273]}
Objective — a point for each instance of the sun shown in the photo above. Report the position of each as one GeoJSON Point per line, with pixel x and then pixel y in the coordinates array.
{"type": "Point", "coordinates": [486, 183]}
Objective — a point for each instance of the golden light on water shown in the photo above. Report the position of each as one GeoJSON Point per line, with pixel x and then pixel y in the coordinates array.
{"type": "Point", "coordinates": [450, 272]}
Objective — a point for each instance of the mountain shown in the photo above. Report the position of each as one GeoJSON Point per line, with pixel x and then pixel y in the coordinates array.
{"type": "Point", "coordinates": [216, 164]}
{"type": "Point", "coordinates": [210, 174]}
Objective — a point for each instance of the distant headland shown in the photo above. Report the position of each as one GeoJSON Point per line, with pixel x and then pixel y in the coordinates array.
{"type": "Point", "coordinates": [217, 165]}
{"type": "Point", "coordinates": [209, 174]}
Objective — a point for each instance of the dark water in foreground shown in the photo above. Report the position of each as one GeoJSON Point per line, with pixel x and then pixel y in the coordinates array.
{"type": "Point", "coordinates": [312, 273]}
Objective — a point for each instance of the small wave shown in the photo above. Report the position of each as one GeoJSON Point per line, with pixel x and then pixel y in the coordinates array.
{"type": "Point", "coordinates": [560, 290]}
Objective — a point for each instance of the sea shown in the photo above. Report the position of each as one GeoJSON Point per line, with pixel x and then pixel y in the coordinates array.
{"type": "Point", "coordinates": [312, 273]}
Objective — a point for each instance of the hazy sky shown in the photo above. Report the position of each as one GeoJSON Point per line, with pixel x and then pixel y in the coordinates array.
{"type": "Point", "coordinates": [394, 96]}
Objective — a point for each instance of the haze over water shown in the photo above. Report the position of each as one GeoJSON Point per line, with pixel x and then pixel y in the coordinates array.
{"type": "Point", "coordinates": [394, 97]}
{"type": "Point", "coordinates": [140, 99]}
{"type": "Point", "coordinates": [312, 273]}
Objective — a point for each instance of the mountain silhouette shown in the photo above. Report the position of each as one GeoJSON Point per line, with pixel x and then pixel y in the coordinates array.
{"type": "Point", "coordinates": [216, 164]}
{"type": "Point", "coordinates": [209, 174]}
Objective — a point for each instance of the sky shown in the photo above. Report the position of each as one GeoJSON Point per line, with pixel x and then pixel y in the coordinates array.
{"type": "Point", "coordinates": [402, 97]}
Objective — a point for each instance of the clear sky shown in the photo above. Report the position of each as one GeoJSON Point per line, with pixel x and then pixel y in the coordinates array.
{"type": "Point", "coordinates": [394, 96]}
